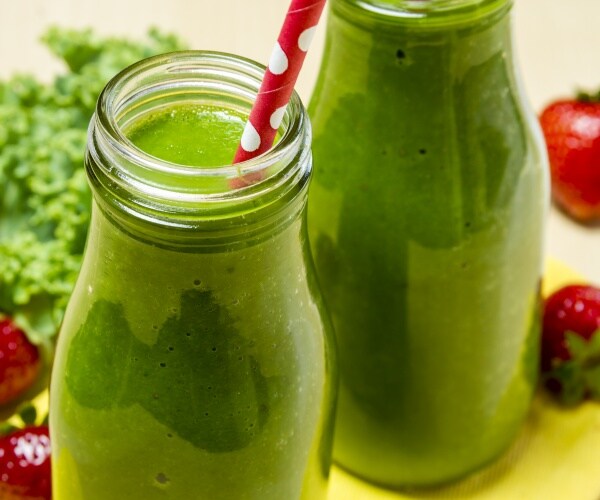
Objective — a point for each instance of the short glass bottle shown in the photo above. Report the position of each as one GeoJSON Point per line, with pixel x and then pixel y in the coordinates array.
{"type": "Point", "coordinates": [195, 356]}
{"type": "Point", "coordinates": [426, 217]}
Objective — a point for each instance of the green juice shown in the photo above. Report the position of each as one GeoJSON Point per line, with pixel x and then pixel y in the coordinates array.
{"type": "Point", "coordinates": [192, 134]}
{"type": "Point", "coordinates": [195, 366]}
{"type": "Point", "coordinates": [425, 218]}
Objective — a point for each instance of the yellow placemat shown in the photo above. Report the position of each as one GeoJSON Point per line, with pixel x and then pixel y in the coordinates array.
{"type": "Point", "coordinates": [555, 457]}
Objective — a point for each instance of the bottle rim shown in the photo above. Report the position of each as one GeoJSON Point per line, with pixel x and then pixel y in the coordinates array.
{"type": "Point", "coordinates": [119, 169]}
{"type": "Point", "coordinates": [424, 13]}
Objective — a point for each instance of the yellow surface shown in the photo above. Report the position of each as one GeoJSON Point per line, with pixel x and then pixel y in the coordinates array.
{"type": "Point", "coordinates": [555, 457]}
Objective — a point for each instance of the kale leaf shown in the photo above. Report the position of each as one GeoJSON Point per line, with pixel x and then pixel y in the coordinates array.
{"type": "Point", "coordinates": [44, 196]}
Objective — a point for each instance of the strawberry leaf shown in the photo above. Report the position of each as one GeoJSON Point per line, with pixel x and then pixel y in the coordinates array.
{"type": "Point", "coordinates": [567, 380]}
{"type": "Point", "coordinates": [584, 96]}
{"type": "Point", "coordinates": [594, 346]}
{"type": "Point", "coordinates": [592, 358]}
{"type": "Point", "coordinates": [575, 379]}
{"type": "Point", "coordinates": [578, 346]}
{"type": "Point", "coordinates": [592, 379]}
{"type": "Point", "coordinates": [28, 414]}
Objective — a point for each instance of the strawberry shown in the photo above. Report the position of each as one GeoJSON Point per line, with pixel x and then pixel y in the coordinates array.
{"type": "Point", "coordinates": [20, 362]}
{"type": "Point", "coordinates": [572, 132]}
{"type": "Point", "coordinates": [571, 343]}
{"type": "Point", "coordinates": [25, 465]}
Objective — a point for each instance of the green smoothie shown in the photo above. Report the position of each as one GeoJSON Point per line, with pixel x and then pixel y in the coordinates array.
{"type": "Point", "coordinates": [425, 217]}
{"type": "Point", "coordinates": [190, 134]}
{"type": "Point", "coordinates": [194, 361]}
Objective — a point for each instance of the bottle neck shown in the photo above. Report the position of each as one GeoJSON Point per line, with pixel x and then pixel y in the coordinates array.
{"type": "Point", "coordinates": [436, 48]}
{"type": "Point", "coordinates": [160, 200]}
{"type": "Point", "coordinates": [443, 104]}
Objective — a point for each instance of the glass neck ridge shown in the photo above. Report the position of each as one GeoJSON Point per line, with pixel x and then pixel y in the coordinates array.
{"type": "Point", "coordinates": [150, 194]}
{"type": "Point", "coordinates": [421, 13]}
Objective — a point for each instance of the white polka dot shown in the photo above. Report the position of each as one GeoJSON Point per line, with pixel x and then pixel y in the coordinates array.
{"type": "Point", "coordinates": [277, 117]}
{"type": "Point", "coordinates": [250, 138]}
{"type": "Point", "coordinates": [305, 38]}
{"type": "Point", "coordinates": [279, 61]}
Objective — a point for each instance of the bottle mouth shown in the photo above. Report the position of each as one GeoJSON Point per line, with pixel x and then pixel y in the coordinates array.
{"type": "Point", "coordinates": [433, 12]}
{"type": "Point", "coordinates": [138, 179]}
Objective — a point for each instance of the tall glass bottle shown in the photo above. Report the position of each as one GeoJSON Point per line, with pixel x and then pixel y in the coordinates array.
{"type": "Point", "coordinates": [426, 219]}
{"type": "Point", "coordinates": [194, 360]}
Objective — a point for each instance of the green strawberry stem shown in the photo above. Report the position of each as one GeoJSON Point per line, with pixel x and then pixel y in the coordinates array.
{"type": "Point", "coordinates": [579, 377]}
{"type": "Point", "coordinates": [584, 96]}
{"type": "Point", "coordinates": [28, 413]}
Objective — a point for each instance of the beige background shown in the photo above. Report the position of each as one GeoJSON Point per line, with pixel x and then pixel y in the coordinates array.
{"type": "Point", "coordinates": [558, 43]}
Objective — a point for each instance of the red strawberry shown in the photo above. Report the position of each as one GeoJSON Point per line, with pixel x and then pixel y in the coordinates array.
{"type": "Point", "coordinates": [25, 465]}
{"type": "Point", "coordinates": [572, 131]}
{"type": "Point", "coordinates": [571, 342]}
{"type": "Point", "coordinates": [19, 362]}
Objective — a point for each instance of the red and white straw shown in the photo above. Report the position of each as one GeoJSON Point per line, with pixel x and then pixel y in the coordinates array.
{"type": "Point", "coordinates": [280, 77]}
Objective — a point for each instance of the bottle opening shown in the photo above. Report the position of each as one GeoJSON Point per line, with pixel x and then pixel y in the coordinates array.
{"type": "Point", "coordinates": [430, 12]}
{"type": "Point", "coordinates": [166, 130]}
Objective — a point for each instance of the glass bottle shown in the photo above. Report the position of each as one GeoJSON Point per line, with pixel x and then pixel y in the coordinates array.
{"type": "Point", "coordinates": [195, 357]}
{"type": "Point", "coordinates": [426, 218]}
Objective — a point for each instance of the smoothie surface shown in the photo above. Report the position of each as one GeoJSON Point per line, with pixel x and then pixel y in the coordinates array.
{"type": "Point", "coordinates": [192, 134]}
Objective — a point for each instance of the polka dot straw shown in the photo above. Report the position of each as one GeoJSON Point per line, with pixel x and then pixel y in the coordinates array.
{"type": "Point", "coordinates": [280, 77]}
